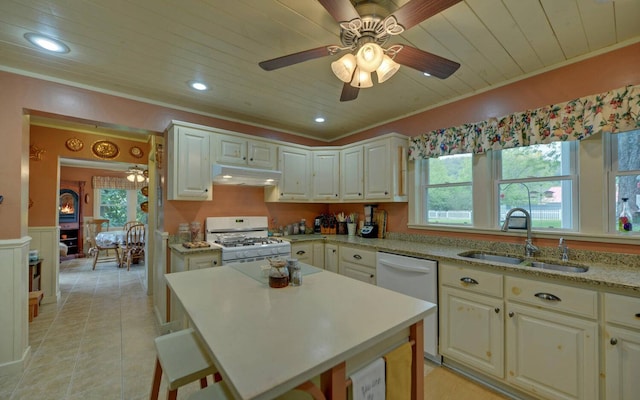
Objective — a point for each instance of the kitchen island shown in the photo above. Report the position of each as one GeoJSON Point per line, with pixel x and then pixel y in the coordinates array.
{"type": "Point", "coordinates": [266, 342]}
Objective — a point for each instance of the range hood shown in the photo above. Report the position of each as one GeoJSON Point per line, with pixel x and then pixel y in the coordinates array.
{"type": "Point", "coordinates": [233, 175]}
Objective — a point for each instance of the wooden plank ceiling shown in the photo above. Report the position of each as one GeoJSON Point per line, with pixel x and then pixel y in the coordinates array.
{"type": "Point", "coordinates": [152, 48]}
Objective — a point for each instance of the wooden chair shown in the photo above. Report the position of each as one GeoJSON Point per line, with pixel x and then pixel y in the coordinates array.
{"type": "Point", "coordinates": [129, 224]}
{"type": "Point", "coordinates": [134, 244]}
{"type": "Point", "coordinates": [95, 247]}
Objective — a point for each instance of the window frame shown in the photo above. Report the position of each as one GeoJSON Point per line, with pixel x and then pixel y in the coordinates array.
{"type": "Point", "coordinates": [132, 203]}
{"type": "Point", "coordinates": [612, 171]}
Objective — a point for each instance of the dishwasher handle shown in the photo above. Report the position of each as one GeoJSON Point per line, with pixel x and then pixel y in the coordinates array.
{"type": "Point", "coordinates": [424, 270]}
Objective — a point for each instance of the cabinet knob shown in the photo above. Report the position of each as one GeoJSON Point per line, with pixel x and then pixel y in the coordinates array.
{"type": "Point", "coordinates": [215, 262]}
{"type": "Point", "coordinates": [336, 194]}
{"type": "Point", "coordinates": [386, 193]}
{"type": "Point", "coordinates": [613, 341]}
{"type": "Point", "coordinates": [511, 314]}
{"type": "Point", "coordinates": [497, 310]}
{"type": "Point", "coordinates": [244, 158]}
{"type": "Point", "coordinates": [206, 190]}
{"type": "Point", "coordinates": [372, 276]}
{"type": "Point", "coordinates": [359, 194]}
{"type": "Point", "coordinates": [357, 256]}
{"type": "Point", "coordinates": [251, 159]}
{"type": "Point", "coordinates": [334, 251]}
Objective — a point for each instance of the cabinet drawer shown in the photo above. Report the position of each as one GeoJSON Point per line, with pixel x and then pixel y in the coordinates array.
{"type": "Point", "coordinates": [471, 280]}
{"type": "Point", "coordinates": [358, 256]}
{"type": "Point", "coordinates": [302, 251]}
{"type": "Point", "coordinates": [623, 310]}
{"type": "Point", "coordinates": [572, 300]}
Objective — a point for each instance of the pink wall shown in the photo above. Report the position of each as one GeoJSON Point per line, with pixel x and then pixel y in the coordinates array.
{"type": "Point", "coordinates": [22, 95]}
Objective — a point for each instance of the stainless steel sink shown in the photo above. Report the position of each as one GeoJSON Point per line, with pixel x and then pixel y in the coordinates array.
{"type": "Point", "coordinates": [493, 257]}
{"type": "Point", "coordinates": [556, 267]}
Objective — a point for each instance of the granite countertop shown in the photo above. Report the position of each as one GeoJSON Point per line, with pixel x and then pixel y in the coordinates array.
{"type": "Point", "coordinates": [606, 270]}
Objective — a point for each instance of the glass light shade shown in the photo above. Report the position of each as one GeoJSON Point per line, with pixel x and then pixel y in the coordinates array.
{"type": "Point", "coordinates": [344, 67]}
{"type": "Point", "coordinates": [135, 178]}
{"type": "Point", "coordinates": [362, 79]}
{"type": "Point", "coordinates": [387, 69]}
{"type": "Point", "coordinates": [369, 57]}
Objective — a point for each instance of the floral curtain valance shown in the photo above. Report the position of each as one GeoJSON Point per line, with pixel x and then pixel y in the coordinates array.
{"type": "Point", "coordinates": [115, 182]}
{"type": "Point", "coordinates": [614, 111]}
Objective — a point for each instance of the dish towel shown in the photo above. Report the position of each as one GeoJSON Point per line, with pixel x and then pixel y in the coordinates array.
{"type": "Point", "coordinates": [399, 372]}
{"type": "Point", "coordinates": [369, 383]}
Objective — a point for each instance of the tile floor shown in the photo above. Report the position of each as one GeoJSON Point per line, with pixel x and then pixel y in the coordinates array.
{"type": "Point", "coordinates": [97, 343]}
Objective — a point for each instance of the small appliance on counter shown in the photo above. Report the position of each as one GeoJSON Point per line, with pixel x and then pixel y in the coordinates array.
{"type": "Point", "coordinates": [370, 228]}
{"type": "Point", "coordinates": [317, 224]}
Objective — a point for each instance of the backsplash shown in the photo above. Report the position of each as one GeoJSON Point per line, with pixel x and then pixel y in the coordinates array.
{"type": "Point", "coordinates": [518, 249]}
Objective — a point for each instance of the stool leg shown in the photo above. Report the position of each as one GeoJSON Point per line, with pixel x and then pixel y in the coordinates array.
{"type": "Point", "coordinates": [203, 382]}
{"type": "Point", "coordinates": [157, 376]}
{"type": "Point", "coordinates": [217, 377]}
{"type": "Point", "coordinates": [172, 394]}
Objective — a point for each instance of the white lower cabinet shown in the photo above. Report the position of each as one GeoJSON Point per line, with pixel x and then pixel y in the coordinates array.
{"type": "Point", "coordinates": [331, 257]}
{"type": "Point", "coordinates": [622, 346]}
{"type": "Point", "coordinates": [311, 253]}
{"type": "Point", "coordinates": [472, 318]}
{"type": "Point", "coordinates": [357, 263]}
{"type": "Point", "coordinates": [551, 352]}
{"type": "Point", "coordinates": [526, 335]}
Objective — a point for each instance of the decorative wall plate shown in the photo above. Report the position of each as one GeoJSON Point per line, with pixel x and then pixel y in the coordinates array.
{"type": "Point", "coordinates": [144, 206]}
{"type": "Point", "coordinates": [136, 152]}
{"type": "Point", "coordinates": [105, 149]}
{"type": "Point", "coordinates": [145, 191]}
{"type": "Point", "coordinates": [74, 144]}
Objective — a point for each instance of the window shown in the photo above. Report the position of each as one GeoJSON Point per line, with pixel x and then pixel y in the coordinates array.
{"type": "Point", "coordinates": [540, 179]}
{"type": "Point", "coordinates": [624, 178]}
{"type": "Point", "coordinates": [447, 189]}
{"type": "Point", "coordinates": [120, 206]}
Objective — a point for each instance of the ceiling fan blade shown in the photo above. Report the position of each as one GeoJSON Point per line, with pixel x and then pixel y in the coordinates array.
{"type": "Point", "coordinates": [416, 11]}
{"type": "Point", "coordinates": [295, 58]}
{"type": "Point", "coordinates": [349, 92]}
{"type": "Point", "coordinates": [340, 10]}
{"type": "Point", "coordinates": [426, 62]}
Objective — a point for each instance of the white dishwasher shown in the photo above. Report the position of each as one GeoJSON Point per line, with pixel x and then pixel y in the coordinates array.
{"type": "Point", "coordinates": [415, 277]}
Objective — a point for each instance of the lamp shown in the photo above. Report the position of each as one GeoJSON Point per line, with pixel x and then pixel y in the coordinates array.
{"type": "Point", "coordinates": [135, 174]}
{"type": "Point", "coordinates": [356, 69]}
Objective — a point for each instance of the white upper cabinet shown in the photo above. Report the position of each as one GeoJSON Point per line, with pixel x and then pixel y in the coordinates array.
{"type": "Point", "coordinates": [189, 163]}
{"type": "Point", "coordinates": [326, 175]}
{"type": "Point", "coordinates": [352, 173]}
{"type": "Point", "coordinates": [245, 152]}
{"type": "Point", "coordinates": [295, 164]}
{"type": "Point", "coordinates": [385, 169]}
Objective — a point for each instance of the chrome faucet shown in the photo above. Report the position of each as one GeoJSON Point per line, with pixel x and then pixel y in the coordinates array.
{"type": "Point", "coordinates": [564, 250]}
{"type": "Point", "coordinates": [529, 247]}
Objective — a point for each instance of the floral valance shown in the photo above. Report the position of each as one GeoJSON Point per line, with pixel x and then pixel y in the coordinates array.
{"type": "Point", "coordinates": [115, 182]}
{"type": "Point", "coordinates": [614, 111]}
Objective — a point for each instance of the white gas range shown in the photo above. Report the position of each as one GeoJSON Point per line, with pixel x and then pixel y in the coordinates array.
{"type": "Point", "coordinates": [243, 239]}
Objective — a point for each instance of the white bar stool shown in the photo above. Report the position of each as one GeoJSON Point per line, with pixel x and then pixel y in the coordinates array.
{"type": "Point", "coordinates": [217, 391]}
{"type": "Point", "coordinates": [183, 359]}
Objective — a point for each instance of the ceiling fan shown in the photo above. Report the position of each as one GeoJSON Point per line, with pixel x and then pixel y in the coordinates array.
{"type": "Point", "coordinates": [364, 29]}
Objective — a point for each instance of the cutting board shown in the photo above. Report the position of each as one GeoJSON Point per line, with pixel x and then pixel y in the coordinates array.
{"type": "Point", "coordinates": [380, 218]}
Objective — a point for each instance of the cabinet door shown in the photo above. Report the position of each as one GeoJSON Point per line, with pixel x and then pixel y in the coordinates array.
{"type": "Point", "coordinates": [189, 177]}
{"type": "Point", "coordinates": [295, 165]}
{"type": "Point", "coordinates": [261, 155]}
{"type": "Point", "coordinates": [377, 184]}
{"type": "Point", "coordinates": [303, 252]}
{"type": "Point", "coordinates": [204, 261]}
{"type": "Point", "coordinates": [326, 175]}
{"type": "Point", "coordinates": [551, 354]}
{"type": "Point", "coordinates": [318, 255]}
{"type": "Point", "coordinates": [331, 257]}
{"type": "Point", "coordinates": [472, 330]}
{"type": "Point", "coordinates": [358, 272]}
{"type": "Point", "coordinates": [352, 173]}
{"type": "Point", "coordinates": [622, 354]}
{"type": "Point", "coordinates": [232, 150]}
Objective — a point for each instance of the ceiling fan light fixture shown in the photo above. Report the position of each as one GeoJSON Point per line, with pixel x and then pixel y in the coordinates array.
{"type": "Point", "coordinates": [344, 67]}
{"type": "Point", "coordinates": [362, 79]}
{"type": "Point", "coordinates": [369, 57]}
{"type": "Point", "coordinates": [135, 174]}
{"type": "Point", "coordinates": [387, 69]}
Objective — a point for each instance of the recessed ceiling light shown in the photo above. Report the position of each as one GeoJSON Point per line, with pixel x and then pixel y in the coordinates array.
{"type": "Point", "coordinates": [198, 85]}
{"type": "Point", "coordinates": [319, 120]}
{"type": "Point", "coordinates": [47, 43]}
{"type": "Point", "coordinates": [426, 74]}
